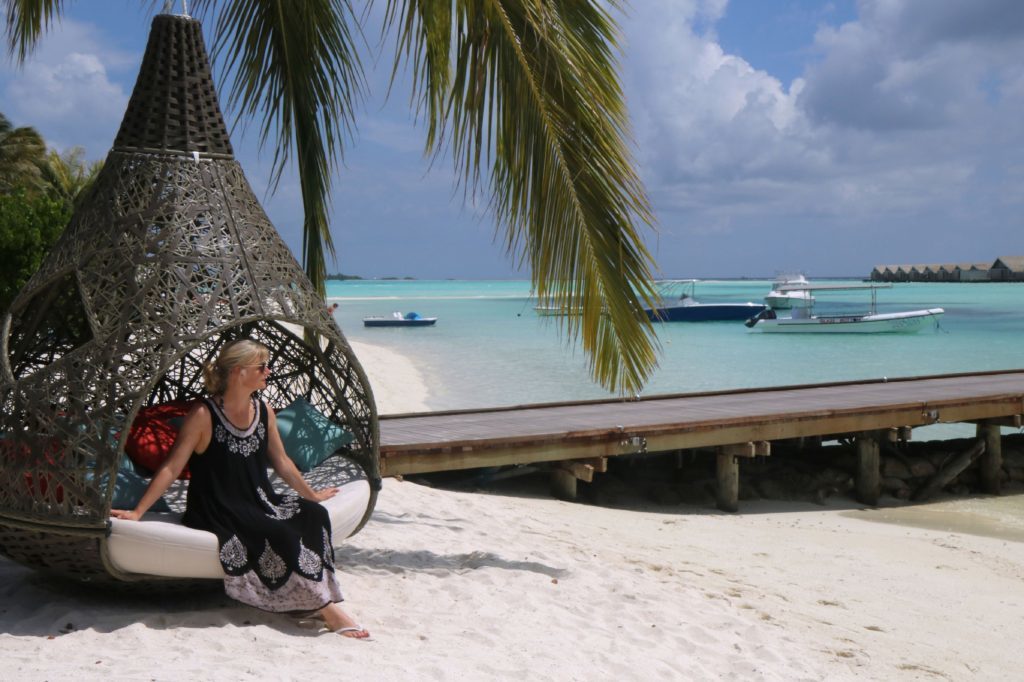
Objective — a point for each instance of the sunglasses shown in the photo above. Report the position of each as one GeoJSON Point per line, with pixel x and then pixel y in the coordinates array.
{"type": "Point", "coordinates": [263, 366]}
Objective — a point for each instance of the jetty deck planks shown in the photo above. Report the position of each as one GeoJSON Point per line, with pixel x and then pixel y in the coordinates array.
{"type": "Point", "coordinates": [438, 441]}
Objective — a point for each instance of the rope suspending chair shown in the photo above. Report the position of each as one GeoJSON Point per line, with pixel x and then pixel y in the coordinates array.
{"type": "Point", "coordinates": [170, 257]}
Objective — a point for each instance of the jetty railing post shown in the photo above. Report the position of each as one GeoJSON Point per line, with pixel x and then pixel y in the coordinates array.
{"type": "Point", "coordinates": [869, 478]}
{"type": "Point", "coordinates": [991, 463]}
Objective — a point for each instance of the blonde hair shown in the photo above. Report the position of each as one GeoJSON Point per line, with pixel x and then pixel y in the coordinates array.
{"type": "Point", "coordinates": [234, 354]}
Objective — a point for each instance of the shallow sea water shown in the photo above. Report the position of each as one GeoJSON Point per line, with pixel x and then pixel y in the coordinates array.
{"type": "Point", "coordinates": [994, 517]}
{"type": "Point", "coordinates": [490, 348]}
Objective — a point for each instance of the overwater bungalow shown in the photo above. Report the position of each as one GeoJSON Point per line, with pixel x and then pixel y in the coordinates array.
{"type": "Point", "coordinates": [972, 272]}
{"type": "Point", "coordinates": [1003, 269]}
{"type": "Point", "coordinates": [1007, 269]}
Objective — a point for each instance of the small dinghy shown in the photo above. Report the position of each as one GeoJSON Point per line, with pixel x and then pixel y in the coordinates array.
{"type": "Point", "coordinates": [399, 320]}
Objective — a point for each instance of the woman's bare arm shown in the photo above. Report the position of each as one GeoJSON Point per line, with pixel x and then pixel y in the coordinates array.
{"type": "Point", "coordinates": [285, 467]}
{"type": "Point", "coordinates": [195, 431]}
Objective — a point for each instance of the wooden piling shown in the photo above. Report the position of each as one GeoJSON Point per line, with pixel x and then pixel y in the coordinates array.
{"type": "Point", "coordinates": [565, 474]}
{"type": "Point", "coordinates": [869, 482]}
{"type": "Point", "coordinates": [563, 484]}
{"type": "Point", "coordinates": [991, 462]}
{"type": "Point", "coordinates": [728, 490]}
{"type": "Point", "coordinates": [951, 470]}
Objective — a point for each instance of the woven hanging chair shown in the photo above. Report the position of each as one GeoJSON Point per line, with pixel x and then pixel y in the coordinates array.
{"type": "Point", "coordinates": [170, 257]}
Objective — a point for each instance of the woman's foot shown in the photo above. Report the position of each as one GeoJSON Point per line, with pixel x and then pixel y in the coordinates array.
{"type": "Point", "coordinates": [338, 621]}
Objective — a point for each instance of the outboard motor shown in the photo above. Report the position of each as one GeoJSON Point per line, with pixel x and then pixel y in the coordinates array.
{"type": "Point", "coordinates": [766, 314]}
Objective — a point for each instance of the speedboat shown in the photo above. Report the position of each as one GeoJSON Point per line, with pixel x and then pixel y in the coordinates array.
{"type": "Point", "coordinates": [556, 310]}
{"type": "Point", "coordinates": [788, 292]}
{"type": "Point", "coordinates": [804, 321]}
{"type": "Point", "coordinates": [686, 309]}
{"type": "Point", "coordinates": [397, 319]}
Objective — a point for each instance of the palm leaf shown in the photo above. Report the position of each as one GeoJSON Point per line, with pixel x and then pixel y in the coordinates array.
{"type": "Point", "coordinates": [26, 21]}
{"type": "Point", "coordinates": [534, 99]}
{"type": "Point", "coordinates": [295, 69]}
{"type": "Point", "coordinates": [68, 177]}
{"type": "Point", "coordinates": [22, 152]}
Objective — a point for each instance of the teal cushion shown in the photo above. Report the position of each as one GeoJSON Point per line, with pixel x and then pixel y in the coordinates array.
{"type": "Point", "coordinates": [308, 436]}
{"type": "Point", "coordinates": [129, 489]}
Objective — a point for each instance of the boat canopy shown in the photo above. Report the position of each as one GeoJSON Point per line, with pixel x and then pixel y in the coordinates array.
{"type": "Point", "coordinates": [808, 286]}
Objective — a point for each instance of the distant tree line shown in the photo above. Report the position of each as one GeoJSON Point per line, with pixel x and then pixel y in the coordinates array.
{"type": "Point", "coordinates": [39, 190]}
{"type": "Point", "coordinates": [343, 277]}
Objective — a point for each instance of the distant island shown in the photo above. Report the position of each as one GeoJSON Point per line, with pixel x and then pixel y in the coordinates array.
{"type": "Point", "coordinates": [343, 277]}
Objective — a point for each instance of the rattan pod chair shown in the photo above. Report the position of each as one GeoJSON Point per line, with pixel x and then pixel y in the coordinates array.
{"type": "Point", "coordinates": [170, 257]}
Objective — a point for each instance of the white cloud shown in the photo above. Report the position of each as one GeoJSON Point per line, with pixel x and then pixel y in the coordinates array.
{"type": "Point", "coordinates": [66, 91]}
{"type": "Point", "coordinates": [78, 84]}
{"type": "Point", "coordinates": [702, 114]}
{"type": "Point", "coordinates": [906, 112]}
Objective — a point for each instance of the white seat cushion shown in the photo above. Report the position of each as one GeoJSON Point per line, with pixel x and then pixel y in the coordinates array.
{"type": "Point", "coordinates": [159, 545]}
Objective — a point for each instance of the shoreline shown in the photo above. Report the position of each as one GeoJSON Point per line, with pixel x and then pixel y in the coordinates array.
{"type": "Point", "coordinates": [398, 386]}
{"type": "Point", "coordinates": [1000, 518]}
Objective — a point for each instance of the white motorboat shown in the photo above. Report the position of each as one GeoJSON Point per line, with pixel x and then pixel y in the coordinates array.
{"type": "Point", "coordinates": [556, 310]}
{"type": "Point", "coordinates": [784, 296]}
{"type": "Point", "coordinates": [804, 321]}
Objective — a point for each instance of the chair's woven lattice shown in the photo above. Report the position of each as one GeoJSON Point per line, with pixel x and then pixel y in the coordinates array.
{"type": "Point", "coordinates": [177, 110]}
{"type": "Point", "coordinates": [170, 257]}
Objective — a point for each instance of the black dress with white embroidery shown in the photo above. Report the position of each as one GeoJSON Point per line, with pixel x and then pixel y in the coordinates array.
{"type": "Point", "coordinates": [275, 549]}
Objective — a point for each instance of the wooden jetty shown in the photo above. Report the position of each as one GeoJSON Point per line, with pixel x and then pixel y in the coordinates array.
{"type": "Point", "coordinates": [579, 436]}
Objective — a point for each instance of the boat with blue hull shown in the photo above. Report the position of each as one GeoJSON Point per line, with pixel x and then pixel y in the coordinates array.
{"type": "Point", "coordinates": [399, 320]}
{"type": "Point", "coordinates": [685, 308]}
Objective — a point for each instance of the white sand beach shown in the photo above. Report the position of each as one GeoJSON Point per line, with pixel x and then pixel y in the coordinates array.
{"type": "Point", "coordinates": [511, 584]}
{"type": "Point", "coordinates": [397, 385]}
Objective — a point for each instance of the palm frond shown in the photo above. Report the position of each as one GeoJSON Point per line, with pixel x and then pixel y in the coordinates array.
{"type": "Point", "coordinates": [67, 177]}
{"type": "Point", "coordinates": [22, 151]}
{"type": "Point", "coordinates": [26, 21]}
{"type": "Point", "coordinates": [424, 37]}
{"type": "Point", "coordinates": [295, 68]}
{"type": "Point", "coordinates": [535, 100]}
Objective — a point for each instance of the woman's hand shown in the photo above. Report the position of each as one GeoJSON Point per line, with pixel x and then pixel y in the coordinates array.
{"type": "Point", "coordinates": [324, 494]}
{"type": "Point", "coordinates": [125, 515]}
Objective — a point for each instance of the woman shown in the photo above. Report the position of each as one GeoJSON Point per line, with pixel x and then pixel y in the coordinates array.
{"type": "Point", "coordinates": [275, 549]}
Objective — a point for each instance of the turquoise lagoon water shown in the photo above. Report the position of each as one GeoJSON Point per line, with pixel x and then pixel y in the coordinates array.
{"type": "Point", "coordinates": [490, 348]}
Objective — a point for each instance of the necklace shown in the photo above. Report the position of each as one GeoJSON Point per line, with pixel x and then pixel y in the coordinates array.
{"type": "Point", "coordinates": [219, 402]}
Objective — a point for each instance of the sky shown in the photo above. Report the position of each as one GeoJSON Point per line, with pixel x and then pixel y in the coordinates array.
{"type": "Point", "coordinates": [794, 135]}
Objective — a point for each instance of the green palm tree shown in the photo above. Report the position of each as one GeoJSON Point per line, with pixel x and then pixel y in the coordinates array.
{"type": "Point", "coordinates": [524, 95]}
{"type": "Point", "coordinates": [22, 151]}
{"type": "Point", "coordinates": [68, 176]}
